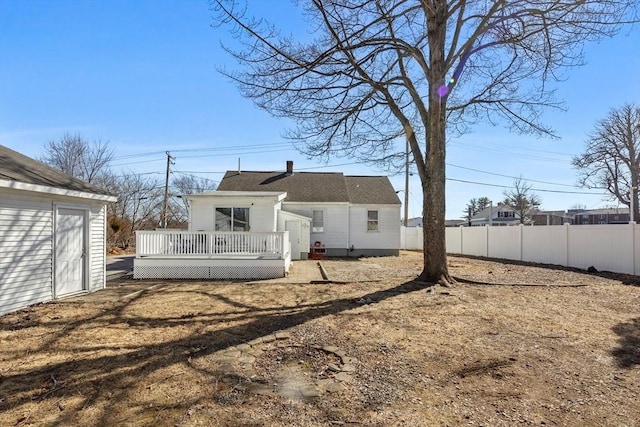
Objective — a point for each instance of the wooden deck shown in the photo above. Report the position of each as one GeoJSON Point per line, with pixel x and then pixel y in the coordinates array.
{"type": "Point", "coordinates": [170, 254]}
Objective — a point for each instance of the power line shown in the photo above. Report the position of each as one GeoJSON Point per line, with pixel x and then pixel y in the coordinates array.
{"type": "Point", "coordinates": [484, 143]}
{"type": "Point", "coordinates": [533, 189]}
{"type": "Point", "coordinates": [508, 153]}
{"type": "Point", "coordinates": [222, 148]}
{"type": "Point", "coordinates": [508, 176]}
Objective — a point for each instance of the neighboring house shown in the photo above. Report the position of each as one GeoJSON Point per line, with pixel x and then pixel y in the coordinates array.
{"type": "Point", "coordinates": [414, 222]}
{"type": "Point", "coordinates": [602, 216]}
{"type": "Point", "coordinates": [52, 233]}
{"type": "Point", "coordinates": [496, 216]}
{"type": "Point", "coordinates": [417, 222]}
{"type": "Point", "coordinates": [349, 215]}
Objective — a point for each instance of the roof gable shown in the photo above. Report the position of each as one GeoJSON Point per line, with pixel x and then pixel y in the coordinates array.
{"type": "Point", "coordinates": [19, 168]}
{"type": "Point", "coordinates": [366, 190]}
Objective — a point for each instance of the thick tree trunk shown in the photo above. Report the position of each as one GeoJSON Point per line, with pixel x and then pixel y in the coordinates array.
{"type": "Point", "coordinates": [435, 268]}
{"type": "Point", "coordinates": [433, 210]}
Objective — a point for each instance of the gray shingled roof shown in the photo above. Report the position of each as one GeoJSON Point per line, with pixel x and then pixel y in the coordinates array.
{"type": "Point", "coordinates": [20, 168]}
{"type": "Point", "coordinates": [314, 186]}
{"type": "Point", "coordinates": [365, 190]}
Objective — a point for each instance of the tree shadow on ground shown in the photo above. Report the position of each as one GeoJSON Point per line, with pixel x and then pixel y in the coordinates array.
{"type": "Point", "coordinates": [626, 279]}
{"type": "Point", "coordinates": [627, 353]}
{"type": "Point", "coordinates": [108, 379]}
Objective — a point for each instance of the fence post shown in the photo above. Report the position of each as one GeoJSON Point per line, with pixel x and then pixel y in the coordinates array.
{"type": "Point", "coordinates": [521, 241]}
{"type": "Point", "coordinates": [634, 248]}
{"type": "Point", "coordinates": [487, 240]}
{"type": "Point", "coordinates": [566, 244]}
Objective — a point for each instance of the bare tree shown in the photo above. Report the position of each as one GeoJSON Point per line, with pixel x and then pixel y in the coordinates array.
{"type": "Point", "coordinates": [182, 185]}
{"type": "Point", "coordinates": [138, 207]}
{"type": "Point", "coordinates": [76, 156]}
{"type": "Point", "coordinates": [522, 200]}
{"type": "Point", "coordinates": [381, 70]}
{"type": "Point", "coordinates": [611, 160]}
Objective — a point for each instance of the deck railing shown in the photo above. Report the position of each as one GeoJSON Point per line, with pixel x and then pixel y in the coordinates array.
{"type": "Point", "coordinates": [194, 244]}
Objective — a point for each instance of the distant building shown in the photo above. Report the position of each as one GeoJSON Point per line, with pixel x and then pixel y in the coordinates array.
{"type": "Point", "coordinates": [551, 218]}
{"type": "Point", "coordinates": [414, 222]}
{"type": "Point", "coordinates": [496, 216]}
{"type": "Point", "coordinates": [602, 216]}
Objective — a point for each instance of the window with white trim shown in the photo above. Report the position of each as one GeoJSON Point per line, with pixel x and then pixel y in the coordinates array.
{"type": "Point", "coordinates": [317, 224]}
{"type": "Point", "coordinates": [372, 220]}
{"type": "Point", "coordinates": [232, 219]}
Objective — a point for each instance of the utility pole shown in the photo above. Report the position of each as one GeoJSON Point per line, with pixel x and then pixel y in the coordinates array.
{"type": "Point", "coordinates": [406, 186]}
{"type": "Point", "coordinates": [163, 215]}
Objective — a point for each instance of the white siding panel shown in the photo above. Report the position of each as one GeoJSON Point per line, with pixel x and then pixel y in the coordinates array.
{"type": "Point", "coordinates": [97, 251]}
{"type": "Point", "coordinates": [336, 222]}
{"type": "Point", "coordinates": [388, 234]}
{"type": "Point", "coordinates": [262, 214]}
{"type": "Point", "coordinates": [26, 242]}
{"type": "Point", "coordinates": [201, 216]}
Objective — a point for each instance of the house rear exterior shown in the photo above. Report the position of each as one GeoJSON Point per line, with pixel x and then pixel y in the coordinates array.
{"type": "Point", "coordinates": [52, 233]}
{"type": "Point", "coordinates": [349, 215]}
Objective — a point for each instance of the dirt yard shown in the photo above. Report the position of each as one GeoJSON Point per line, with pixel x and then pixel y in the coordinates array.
{"type": "Point", "coordinates": [510, 344]}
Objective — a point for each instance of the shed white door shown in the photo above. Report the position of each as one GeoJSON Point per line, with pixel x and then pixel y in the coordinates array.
{"type": "Point", "coordinates": [70, 250]}
{"type": "Point", "coordinates": [293, 227]}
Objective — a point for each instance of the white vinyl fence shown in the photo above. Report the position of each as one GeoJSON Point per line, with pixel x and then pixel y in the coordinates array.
{"type": "Point", "coordinates": [614, 248]}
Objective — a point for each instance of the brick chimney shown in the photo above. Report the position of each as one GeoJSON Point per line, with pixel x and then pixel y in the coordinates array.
{"type": "Point", "coordinates": [289, 167]}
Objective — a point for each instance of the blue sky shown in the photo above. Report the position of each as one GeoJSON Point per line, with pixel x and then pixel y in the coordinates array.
{"type": "Point", "coordinates": [142, 75]}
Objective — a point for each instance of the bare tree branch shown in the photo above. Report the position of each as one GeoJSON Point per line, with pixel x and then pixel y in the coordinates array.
{"type": "Point", "coordinates": [378, 70]}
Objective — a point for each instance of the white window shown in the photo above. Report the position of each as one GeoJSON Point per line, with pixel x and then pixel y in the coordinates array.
{"type": "Point", "coordinates": [232, 219]}
{"type": "Point", "coordinates": [506, 214]}
{"type": "Point", "coordinates": [317, 225]}
{"type": "Point", "coordinates": [372, 220]}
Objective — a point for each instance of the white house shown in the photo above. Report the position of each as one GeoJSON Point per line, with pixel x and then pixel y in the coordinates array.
{"type": "Point", "coordinates": [350, 215]}
{"type": "Point", "coordinates": [52, 233]}
{"type": "Point", "coordinates": [496, 216]}
{"type": "Point", "coordinates": [256, 223]}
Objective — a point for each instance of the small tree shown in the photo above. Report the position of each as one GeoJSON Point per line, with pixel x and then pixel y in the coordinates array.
{"type": "Point", "coordinates": [483, 203]}
{"type": "Point", "coordinates": [522, 200]}
{"type": "Point", "coordinates": [74, 155]}
{"type": "Point", "coordinates": [474, 206]}
{"type": "Point", "coordinates": [470, 210]}
{"type": "Point", "coordinates": [611, 160]}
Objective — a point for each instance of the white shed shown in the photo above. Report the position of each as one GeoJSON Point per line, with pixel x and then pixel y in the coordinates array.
{"type": "Point", "coordinates": [52, 233]}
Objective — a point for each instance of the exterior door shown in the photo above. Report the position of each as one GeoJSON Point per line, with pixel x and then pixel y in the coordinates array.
{"type": "Point", "coordinates": [70, 251]}
{"type": "Point", "coordinates": [293, 227]}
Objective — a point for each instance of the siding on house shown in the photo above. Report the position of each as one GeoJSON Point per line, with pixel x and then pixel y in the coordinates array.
{"type": "Point", "coordinates": [262, 211]}
{"type": "Point", "coordinates": [97, 253]}
{"type": "Point", "coordinates": [26, 229]}
{"type": "Point", "coordinates": [387, 235]}
{"type": "Point", "coordinates": [335, 236]}
{"type": "Point", "coordinates": [335, 195]}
